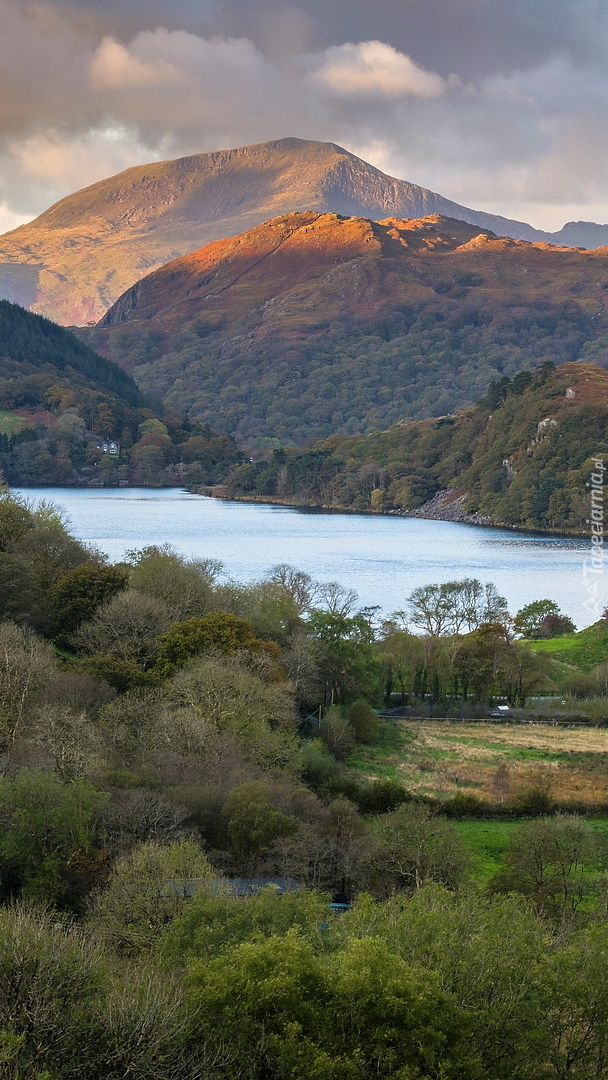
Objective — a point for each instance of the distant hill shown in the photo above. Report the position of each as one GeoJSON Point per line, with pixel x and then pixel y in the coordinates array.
{"type": "Point", "coordinates": [315, 324]}
{"type": "Point", "coordinates": [69, 416]}
{"type": "Point", "coordinates": [80, 255]}
{"type": "Point", "coordinates": [523, 457]}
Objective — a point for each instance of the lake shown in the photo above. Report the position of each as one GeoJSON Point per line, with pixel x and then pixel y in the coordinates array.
{"type": "Point", "coordinates": [382, 558]}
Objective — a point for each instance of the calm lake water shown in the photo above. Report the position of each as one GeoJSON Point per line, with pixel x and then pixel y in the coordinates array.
{"type": "Point", "coordinates": [382, 558]}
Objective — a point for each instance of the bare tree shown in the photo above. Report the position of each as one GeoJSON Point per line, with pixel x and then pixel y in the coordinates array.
{"type": "Point", "coordinates": [26, 665]}
{"type": "Point", "coordinates": [336, 598]}
{"type": "Point", "coordinates": [454, 607]}
{"type": "Point", "coordinates": [126, 627]}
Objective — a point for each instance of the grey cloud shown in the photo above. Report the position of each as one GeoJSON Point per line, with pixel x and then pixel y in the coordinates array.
{"type": "Point", "coordinates": [472, 37]}
{"type": "Point", "coordinates": [492, 104]}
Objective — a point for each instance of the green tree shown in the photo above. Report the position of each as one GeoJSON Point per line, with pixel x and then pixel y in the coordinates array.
{"type": "Point", "coordinates": [147, 888]}
{"type": "Point", "coordinates": [490, 954]}
{"type": "Point", "coordinates": [455, 606]}
{"type": "Point", "coordinates": [253, 823]}
{"type": "Point", "coordinates": [357, 1013]}
{"type": "Point", "coordinates": [554, 861]}
{"type": "Point", "coordinates": [184, 586]}
{"type": "Point", "coordinates": [347, 667]}
{"type": "Point", "coordinates": [49, 836]}
{"type": "Point", "coordinates": [212, 925]}
{"type": "Point", "coordinates": [337, 734]}
{"type": "Point", "coordinates": [75, 597]}
{"type": "Point", "coordinates": [363, 721]}
{"type": "Point", "coordinates": [529, 619]}
{"type": "Point", "coordinates": [217, 632]}
{"type": "Point", "coordinates": [412, 847]}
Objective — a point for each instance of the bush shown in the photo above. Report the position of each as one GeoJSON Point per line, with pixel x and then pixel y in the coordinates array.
{"type": "Point", "coordinates": [317, 765]}
{"type": "Point", "coordinates": [381, 796]}
{"type": "Point", "coordinates": [363, 721]}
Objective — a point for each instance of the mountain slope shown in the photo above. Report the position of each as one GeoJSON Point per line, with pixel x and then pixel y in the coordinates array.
{"type": "Point", "coordinates": [73, 261]}
{"type": "Point", "coordinates": [70, 416]}
{"type": "Point", "coordinates": [524, 457]}
{"type": "Point", "coordinates": [315, 324]}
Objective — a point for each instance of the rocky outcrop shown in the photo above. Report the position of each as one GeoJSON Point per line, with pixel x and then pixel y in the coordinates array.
{"type": "Point", "coordinates": [449, 505]}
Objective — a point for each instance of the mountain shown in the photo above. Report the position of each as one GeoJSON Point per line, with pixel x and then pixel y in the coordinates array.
{"type": "Point", "coordinates": [69, 416]}
{"type": "Point", "coordinates": [525, 456]}
{"type": "Point", "coordinates": [315, 324]}
{"type": "Point", "coordinates": [79, 256]}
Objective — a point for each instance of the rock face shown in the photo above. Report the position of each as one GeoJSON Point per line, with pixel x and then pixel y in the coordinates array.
{"type": "Point", "coordinates": [448, 505]}
{"type": "Point", "coordinates": [80, 255]}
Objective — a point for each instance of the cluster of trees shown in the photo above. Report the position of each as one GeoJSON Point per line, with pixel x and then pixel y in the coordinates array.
{"type": "Point", "coordinates": [159, 738]}
{"type": "Point", "coordinates": [513, 468]}
{"type": "Point", "coordinates": [61, 405]}
{"type": "Point", "coordinates": [430, 983]}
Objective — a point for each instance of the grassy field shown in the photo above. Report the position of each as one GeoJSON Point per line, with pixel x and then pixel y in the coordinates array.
{"type": "Point", "coordinates": [582, 650]}
{"type": "Point", "coordinates": [487, 842]}
{"type": "Point", "coordinates": [495, 762]}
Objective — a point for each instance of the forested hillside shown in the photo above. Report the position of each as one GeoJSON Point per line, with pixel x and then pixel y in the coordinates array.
{"type": "Point", "coordinates": [522, 457]}
{"type": "Point", "coordinates": [313, 324]}
{"type": "Point", "coordinates": [69, 416]}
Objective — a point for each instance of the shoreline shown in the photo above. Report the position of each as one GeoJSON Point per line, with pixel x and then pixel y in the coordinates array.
{"type": "Point", "coordinates": [443, 506]}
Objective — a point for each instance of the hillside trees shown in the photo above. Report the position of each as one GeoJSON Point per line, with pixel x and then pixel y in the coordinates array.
{"type": "Point", "coordinates": [68, 415]}
{"type": "Point", "coordinates": [378, 1013]}
{"type": "Point", "coordinates": [522, 456]}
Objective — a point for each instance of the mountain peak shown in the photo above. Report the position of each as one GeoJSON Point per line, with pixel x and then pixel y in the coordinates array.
{"type": "Point", "coordinates": [76, 258]}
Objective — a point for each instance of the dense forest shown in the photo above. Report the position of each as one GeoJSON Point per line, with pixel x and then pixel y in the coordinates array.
{"type": "Point", "coordinates": [313, 325]}
{"type": "Point", "coordinates": [69, 416]}
{"type": "Point", "coordinates": [179, 812]}
{"type": "Point", "coordinates": [522, 457]}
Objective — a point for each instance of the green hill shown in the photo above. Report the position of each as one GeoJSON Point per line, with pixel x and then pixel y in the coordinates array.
{"type": "Point", "coordinates": [522, 457]}
{"type": "Point", "coordinates": [583, 650]}
{"type": "Point", "coordinates": [70, 416]}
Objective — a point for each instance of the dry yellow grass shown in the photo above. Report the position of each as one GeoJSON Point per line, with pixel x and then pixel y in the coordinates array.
{"type": "Point", "coordinates": [496, 762]}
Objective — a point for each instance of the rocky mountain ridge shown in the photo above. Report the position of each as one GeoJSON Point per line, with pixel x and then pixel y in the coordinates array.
{"type": "Point", "coordinates": [74, 260]}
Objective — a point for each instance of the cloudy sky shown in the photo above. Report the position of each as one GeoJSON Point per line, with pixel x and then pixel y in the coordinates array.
{"type": "Point", "coordinates": [501, 105]}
